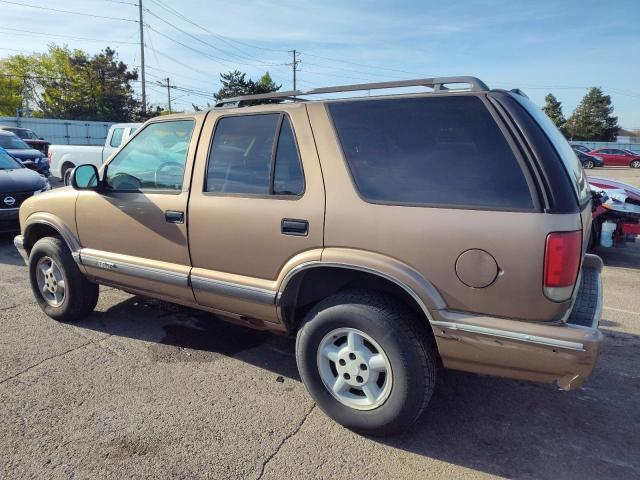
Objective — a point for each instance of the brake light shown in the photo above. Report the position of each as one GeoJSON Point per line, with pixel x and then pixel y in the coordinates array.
{"type": "Point", "coordinates": [561, 264]}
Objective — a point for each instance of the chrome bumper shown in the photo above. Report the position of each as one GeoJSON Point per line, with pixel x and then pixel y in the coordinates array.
{"type": "Point", "coordinates": [18, 242]}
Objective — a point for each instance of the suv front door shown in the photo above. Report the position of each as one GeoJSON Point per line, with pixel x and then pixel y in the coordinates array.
{"type": "Point", "coordinates": [133, 231]}
{"type": "Point", "coordinates": [256, 206]}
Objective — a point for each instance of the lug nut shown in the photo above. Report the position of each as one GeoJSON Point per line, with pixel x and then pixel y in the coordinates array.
{"type": "Point", "coordinates": [347, 376]}
{"type": "Point", "coordinates": [359, 379]}
{"type": "Point", "coordinates": [352, 356]}
{"type": "Point", "coordinates": [342, 362]}
{"type": "Point", "coordinates": [363, 366]}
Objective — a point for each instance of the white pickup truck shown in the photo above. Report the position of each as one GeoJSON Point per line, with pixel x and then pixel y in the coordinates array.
{"type": "Point", "coordinates": [64, 158]}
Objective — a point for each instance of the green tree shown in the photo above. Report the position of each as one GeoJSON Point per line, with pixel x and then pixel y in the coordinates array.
{"type": "Point", "coordinates": [593, 120]}
{"type": "Point", "coordinates": [553, 109]}
{"type": "Point", "coordinates": [10, 94]}
{"type": "Point", "coordinates": [236, 83]}
{"type": "Point", "coordinates": [71, 84]}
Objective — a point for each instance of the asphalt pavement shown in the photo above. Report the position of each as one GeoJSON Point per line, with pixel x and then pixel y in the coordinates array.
{"type": "Point", "coordinates": [143, 389]}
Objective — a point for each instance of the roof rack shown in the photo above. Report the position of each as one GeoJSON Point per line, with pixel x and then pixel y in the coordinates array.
{"type": "Point", "coordinates": [438, 84]}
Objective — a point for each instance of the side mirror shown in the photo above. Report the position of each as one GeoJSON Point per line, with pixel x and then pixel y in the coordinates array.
{"type": "Point", "coordinates": [85, 177]}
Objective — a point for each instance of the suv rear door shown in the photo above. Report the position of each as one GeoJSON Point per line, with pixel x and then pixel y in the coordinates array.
{"type": "Point", "coordinates": [257, 203]}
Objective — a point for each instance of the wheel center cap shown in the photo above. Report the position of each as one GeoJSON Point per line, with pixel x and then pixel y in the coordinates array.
{"type": "Point", "coordinates": [353, 369]}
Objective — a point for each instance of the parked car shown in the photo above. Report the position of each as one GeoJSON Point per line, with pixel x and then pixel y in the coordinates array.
{"type": "Point", "coordinates": [589, 161]}
{"type": "Point", "coordinates": [30, 158]}
{"type": "Point", "coordinates": [64, 158]}
{"type": "Point", "coordinates": [616, 218]}
{"type": "Point", "coordinates": [17, 183]}
{"type": "Point", "coordinates": [391, 234]}
{"type": "Point", "coordinates": [581, 148]}
{"type": "Point", "coordinates": [29, 137]}
{"type": "Point", "coordinates": [616, 157]}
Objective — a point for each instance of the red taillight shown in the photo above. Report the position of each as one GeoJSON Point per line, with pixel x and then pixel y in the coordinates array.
{"type": "Point", "coordinates": [561, 264]}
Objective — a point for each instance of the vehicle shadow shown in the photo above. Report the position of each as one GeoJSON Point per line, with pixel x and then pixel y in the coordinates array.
{"type": "Point", "coordinates": [200, 336]}
{"type": "Point", "coordinates": [502, 427]}
{"type": "Point", "coordinates": [626, 257]}
{"type": "Point", "coordinates": [8, 254]}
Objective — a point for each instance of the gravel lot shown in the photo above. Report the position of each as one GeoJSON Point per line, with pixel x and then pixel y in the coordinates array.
{"type": "Point", "coordinates": [143, 390]}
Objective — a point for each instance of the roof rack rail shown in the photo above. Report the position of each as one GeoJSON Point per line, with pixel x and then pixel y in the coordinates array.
{"type": "Point", "coordinates": [439, 84]}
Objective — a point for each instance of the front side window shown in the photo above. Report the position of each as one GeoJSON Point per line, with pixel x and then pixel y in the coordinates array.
{"type": "Point", "coordinates": [437, 151]}
{"type": "Point", "coordinates": [116, 138]}
{"type": "Point", "coordinates": [153, 160]}
{"type": "Point", "coordinates": [254, 155]}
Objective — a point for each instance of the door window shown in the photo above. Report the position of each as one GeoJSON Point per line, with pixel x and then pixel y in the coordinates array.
{"type": "Point", "coordinates": [153, 160]}
{"type": "Point", "coordinates": [254, 155]}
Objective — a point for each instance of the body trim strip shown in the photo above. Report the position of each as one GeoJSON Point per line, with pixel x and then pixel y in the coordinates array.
{"type": "Point", "coordinates": [522, 337]}
{"type": "Point", "coordinates": [148, 273]}
{"type": "Point", "coordinates": [254, 294]}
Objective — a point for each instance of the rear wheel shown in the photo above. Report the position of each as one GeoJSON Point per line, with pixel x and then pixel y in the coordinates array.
{"type": "Point", "coordinates": [66, 174]}
{"type": "Point", "coordinates": [366, 361]}
{"type": "Point", "coordinates": [588, 164]}
{"type": "Point", "coordinates": [635, 164]}
{"type": "Point", "coordinates": [60, 288]}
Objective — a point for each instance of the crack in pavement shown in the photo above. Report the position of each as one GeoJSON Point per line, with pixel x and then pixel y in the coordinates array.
{"type": "Point", "coordinates": [43, 361]}
{"type": "Point", "coordinates": [284, 440]}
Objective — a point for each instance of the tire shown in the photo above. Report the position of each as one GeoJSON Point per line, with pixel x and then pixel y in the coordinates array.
{"type": "Point", "coordinates": [588, 164]}
{"type": "Point", "coordinates": [635, 164]}
{"type": "Point", "coordinates": [78, 296]}
{"type": "Point", "coordinates": [66, 175]}
{"type": "Point", "coordinates": [388, 325]}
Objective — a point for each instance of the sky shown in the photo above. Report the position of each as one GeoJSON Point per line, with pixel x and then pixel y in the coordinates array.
{"type": "Point", "coordinates": [541, 46]}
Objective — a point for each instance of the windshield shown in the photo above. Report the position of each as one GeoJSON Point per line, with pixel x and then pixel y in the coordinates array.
{"type": "Point", "coordinates": [7, 162]}
{"type": "Point", "coordinates": [12, 142]}
{"type": "Point", "coordinates": [22, 133]}
{"type": "Point", "coordinates": [571, 163]}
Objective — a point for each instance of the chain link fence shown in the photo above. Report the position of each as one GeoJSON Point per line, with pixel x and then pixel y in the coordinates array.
{"type": "Point", "coordinates": [67, 132]}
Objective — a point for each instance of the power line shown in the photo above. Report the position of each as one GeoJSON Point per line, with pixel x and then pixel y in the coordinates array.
{"type": "Point", "coordinates": [227, 40]}
{"type": "Point", "coordinates": [71, 12]}
{"type": "Point", "coordinates": [15, 31]}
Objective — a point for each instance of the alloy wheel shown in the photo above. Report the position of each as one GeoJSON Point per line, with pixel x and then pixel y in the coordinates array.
{"type": "Point", "coordinates": [354, 369]}
{"type": "Point", "coordinates": [51, 281]}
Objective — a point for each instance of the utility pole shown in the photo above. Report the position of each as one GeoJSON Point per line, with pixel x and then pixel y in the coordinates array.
{"type": "Point", "coordinates": [294, 66]}
{"type": "Point", "coordinates": [169, 93]}
{"type": "Point", "coordinates": [144, 91]}
{"type": "Point", "coordinates": [168, 87]}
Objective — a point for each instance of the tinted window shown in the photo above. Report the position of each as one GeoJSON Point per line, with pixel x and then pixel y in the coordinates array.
{"type": "Point", "coordinates": [617, 152]}
{"type": "Point", "coordinates": [242, 156]}
{"type": "Point", "coordinates": [116, 138]}
{"type": "Point", "coordinates": [287, 177]}
{"type": "Point", "coordinates": [153, 160]}
{"type": "Point", "coordinates": [429, 150]}
{"type": "Point", "coordinates": [571, 163]}
{"type": "Point", "coordinates": [11, 142]}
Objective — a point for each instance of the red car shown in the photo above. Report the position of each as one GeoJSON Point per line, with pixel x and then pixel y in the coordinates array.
{"type": "Point", "coordinates": [616, 157]}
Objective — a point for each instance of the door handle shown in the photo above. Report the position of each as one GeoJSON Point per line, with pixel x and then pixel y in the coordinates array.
{"type": "Point", "coordinates": [294, 226]}
{"type": "Point", "coordinates": [174, 216]}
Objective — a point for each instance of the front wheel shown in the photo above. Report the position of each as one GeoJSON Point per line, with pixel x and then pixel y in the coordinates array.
{"type": "Point", "coordinates": [367, 362]}
{"type": "Point", "coordinates": [60, 288]}
{"type": "Point", "coordinates": [588, 164]}
{"type": "Point", "coordinates": [635, 164]}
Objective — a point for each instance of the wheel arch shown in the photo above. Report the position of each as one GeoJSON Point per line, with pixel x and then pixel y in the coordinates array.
{"type": "Point", "coordinates": [308, 283]}
{"type": "Point", "coordinates": [42, 225]}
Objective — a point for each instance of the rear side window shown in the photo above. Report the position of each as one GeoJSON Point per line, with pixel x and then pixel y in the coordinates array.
{"type": "Point", "coordinates": [254, 155]}
{"type": "Point", "coordinates": [571, 163]}
{"type": "Point", "coordinates": [438, 151]}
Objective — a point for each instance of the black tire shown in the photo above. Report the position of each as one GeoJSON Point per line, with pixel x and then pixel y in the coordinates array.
{"type": "Point", "coordinates": [66, 175]}
{"type": "Point", "coordinates": [81, 295]}
{"type": "Point", "coordinates": [408, 345]}
{"type": "Point", "coordinates": [588, 164]}
{"type": "Point", "coordinates": [635, 164]}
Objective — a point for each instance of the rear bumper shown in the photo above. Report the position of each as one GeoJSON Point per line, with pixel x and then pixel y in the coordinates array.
{"type": "Point", "coordinates": [563, 352]}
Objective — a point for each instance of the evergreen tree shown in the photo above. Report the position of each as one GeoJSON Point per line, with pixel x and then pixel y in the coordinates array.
{"type": "Point", "coordinates": [593, 120]}
{"type": "Point", "coordinates": [236, 83]}
{"type": "Point", "coordinates": [553, 109]}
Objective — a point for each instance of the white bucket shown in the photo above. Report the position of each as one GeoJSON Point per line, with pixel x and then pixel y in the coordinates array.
{"type": "Point", "coordinates": [606, 234]}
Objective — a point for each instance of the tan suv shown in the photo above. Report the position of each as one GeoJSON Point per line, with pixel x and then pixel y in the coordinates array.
{"type": "Point", "coordinates": [392, 234]}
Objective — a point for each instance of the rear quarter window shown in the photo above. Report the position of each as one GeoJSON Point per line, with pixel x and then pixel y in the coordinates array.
{"type": "Point", "coordinates": [432, 151]}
